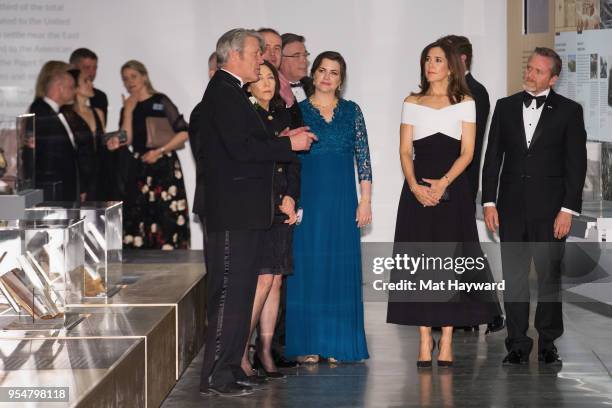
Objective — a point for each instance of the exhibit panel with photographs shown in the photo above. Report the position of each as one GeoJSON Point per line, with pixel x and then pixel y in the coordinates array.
{"type": "Point", "coordinates": [584, 31]}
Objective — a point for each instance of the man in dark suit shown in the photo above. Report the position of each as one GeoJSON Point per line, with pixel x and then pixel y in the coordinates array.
{"type": "Point", "coordinates": [541, 140]}
{"type": "Point", "coordinates": [86, 61]}
{"type": "Point", "coordinates": [295, 84]}
{"type": "Point", "coordinates": [237, 158]}
{"type": "Point", "coordinates": [463, 47]}
{"type": "Point", "coordinates": [55, 150]}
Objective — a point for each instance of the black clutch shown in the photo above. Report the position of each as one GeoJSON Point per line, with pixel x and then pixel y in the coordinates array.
{"type": "Point", "coordinates": [445, 196]}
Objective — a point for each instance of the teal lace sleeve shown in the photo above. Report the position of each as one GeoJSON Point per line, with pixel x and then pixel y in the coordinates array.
{"type": "Point", "coordinates": [362, 149]}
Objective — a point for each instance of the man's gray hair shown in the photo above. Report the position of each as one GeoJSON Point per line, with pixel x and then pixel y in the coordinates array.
{"type": "Point", "coordinates": [234, 40]}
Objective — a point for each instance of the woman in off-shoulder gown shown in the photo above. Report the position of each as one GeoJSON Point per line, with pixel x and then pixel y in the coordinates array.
{"type": "Point", "coordinates": [437, 144]}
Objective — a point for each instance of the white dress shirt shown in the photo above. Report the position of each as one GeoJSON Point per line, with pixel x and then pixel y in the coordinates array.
{"type": "Point", "coordinates": [531, 117]}
{"type": "Point", "coordinates": [298, 91]}
{"type": "Point", "coordinates": [56, 108]}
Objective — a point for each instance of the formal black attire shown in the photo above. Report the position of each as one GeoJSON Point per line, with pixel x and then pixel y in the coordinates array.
{"type": "Point", "coordinates": [277, 247]}
{"type": "Point", "coordinates": [238, 156]}
{"type": "Point", "coordinates": [155, 213]}
{"type": "Point", "coordinates": [100, 101]}
{"type": "Point", "coordinates": [481, 99]}
{"type": "Point", "coordinates": [539, 178]}
{"type": "Point", "coordinates": [55, 155]}
{"type": "Point", "coordinates": [89, 146]}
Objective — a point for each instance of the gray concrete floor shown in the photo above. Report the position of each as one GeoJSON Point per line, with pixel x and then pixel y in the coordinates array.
{"type": "Point", "coordinates": [390, 378]}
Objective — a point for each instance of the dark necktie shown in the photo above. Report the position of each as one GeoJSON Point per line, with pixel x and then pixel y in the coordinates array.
{"type": "Point", "coordinates": [528, 98]}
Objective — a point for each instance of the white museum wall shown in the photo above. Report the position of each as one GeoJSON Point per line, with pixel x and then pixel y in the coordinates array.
{"type": "Point", "coordinates": [381, 41]}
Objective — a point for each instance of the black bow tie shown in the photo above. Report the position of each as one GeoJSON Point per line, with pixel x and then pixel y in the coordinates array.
{"type": "Point", "coordinates": [295, 84]}
{"type": "Point", "coordinates": [528, 98]}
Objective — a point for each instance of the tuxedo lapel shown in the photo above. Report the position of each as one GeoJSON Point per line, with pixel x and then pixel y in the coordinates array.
{"type": "Point", "coordinates": [547, 111]}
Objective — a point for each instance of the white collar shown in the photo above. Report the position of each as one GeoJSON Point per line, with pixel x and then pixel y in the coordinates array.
{"type": "Point", "coordinates": [235, 76]}
{"type": "Point", "coordinates": [54, 105]}
{"type": "Point", "coordinates": [544, 92]}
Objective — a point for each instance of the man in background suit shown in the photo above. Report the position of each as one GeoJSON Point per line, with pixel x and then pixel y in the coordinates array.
{"type": "Point", "coordinates": [540, 138]}
{"type": "Point", "coordinates": [55, 148]}
{"type": "Point", "coordinates": [463, 47]}
{"type": "Point", "coordinates": [237, 157]}
{"type": "Point", "coordinates": [295, 84]}
{"type": "Point", "coordinates": [86, 61]}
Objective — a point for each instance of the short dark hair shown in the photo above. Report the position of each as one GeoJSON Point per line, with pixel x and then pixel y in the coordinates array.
{"type": "Point", "coordinates": [289, 38]}
{"type": "Point", "coordinates": [334, 56]}
{"type": "Point", "coordinates": [462, 46]}
{"type": "Point", "coordinates": [268, 30]}
{"type": "Point", "coordinates": [556, 59]}
{"type": "Point", "coordinates": [82, 53]}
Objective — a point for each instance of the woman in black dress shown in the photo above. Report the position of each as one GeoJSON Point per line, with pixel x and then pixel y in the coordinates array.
{"type": "Point", "coordinates": [437, 137]}
{"type": "Point", "coordinates": [87, 128]}
{"type": "Point", "coordinates": [155, 214]}
{"type": "Point", "coordinates": [276, 256]}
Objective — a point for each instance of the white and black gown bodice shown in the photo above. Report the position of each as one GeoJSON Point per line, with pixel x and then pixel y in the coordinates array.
{"type": "Point", "coordinates": [436, 135]}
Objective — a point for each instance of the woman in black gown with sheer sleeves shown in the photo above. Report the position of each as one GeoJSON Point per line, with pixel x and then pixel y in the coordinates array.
{"type": "Point", "coordinates": [155, 213]}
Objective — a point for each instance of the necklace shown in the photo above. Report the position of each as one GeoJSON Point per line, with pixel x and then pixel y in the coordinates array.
{"type": "Point", "coordinates": [319, 106]}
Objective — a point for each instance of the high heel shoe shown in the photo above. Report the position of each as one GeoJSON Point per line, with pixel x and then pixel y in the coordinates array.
{"type": "Point", "coordinates": [444, 363]}
{"type": "Point", "coordinates": [427, 364]}
{"type": "Point", "coordinates": [273, 375]}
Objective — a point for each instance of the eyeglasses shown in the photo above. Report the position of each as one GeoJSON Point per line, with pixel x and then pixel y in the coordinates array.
{"type": "Point", "coordinates": [298, 55]}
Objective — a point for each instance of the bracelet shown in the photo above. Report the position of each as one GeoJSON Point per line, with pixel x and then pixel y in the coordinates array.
{"type": "Point", "coordinates": [162, 150]}
{"type": "Point", "coordinates": [447, 179]}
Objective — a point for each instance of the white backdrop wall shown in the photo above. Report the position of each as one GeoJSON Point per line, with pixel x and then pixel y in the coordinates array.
{"type": "Point", "coordinates": [380, 39]}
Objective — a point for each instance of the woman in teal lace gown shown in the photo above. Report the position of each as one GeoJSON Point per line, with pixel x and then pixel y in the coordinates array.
{"type": "Point", "coordinates": [324, 295]}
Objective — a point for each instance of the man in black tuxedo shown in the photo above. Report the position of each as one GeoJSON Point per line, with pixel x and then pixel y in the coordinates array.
{"type": "Point", "coordinates": [55, 150]}
{"type": "Point", "coordinates": [541, 140]}
{"type": "Point", "coordinates": [86, 61]}
{"type": "Point", "coordinates": [237, 158]}
{"type": "Point", "coordinates": [295, 84]}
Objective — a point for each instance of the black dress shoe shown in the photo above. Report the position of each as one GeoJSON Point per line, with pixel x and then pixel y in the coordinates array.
{"type": "Point", "coordinates": [496, 325]}
{"type": "Point", "coordinates": [444, 363]}
{"type": "Point", "coordinates": [258, 365]}
{"type": "Point", "coordinates": [516, 357]}
{"type": "Point", "coordinates": [227, 390]}
{"type": "Point", "coordinates": [282, 362]}
{"type": "Point", "coordinates": [427, 363]}
{"type": "Point", "coordinates": [549, 356]}
{"type": "Point", "coordinates": [254, 381]}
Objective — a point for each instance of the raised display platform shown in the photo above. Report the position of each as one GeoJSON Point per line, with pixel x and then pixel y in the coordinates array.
{"type": "Point", "coordinates": [161, 304]}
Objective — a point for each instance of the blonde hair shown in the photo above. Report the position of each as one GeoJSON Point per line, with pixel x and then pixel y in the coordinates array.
{"type": "Point", "coordinates": [50, 71]}
{"type": "Point", "coordinates": [142, 70]}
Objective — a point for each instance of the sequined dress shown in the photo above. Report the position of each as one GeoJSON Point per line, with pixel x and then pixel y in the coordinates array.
{"type": "Point", "coordinates": [324, 295]}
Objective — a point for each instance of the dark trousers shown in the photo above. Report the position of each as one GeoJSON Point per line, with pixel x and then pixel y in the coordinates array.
{"type": "Point", "coordinates": [231, 261]}
{"type": "Point", "coordinates": [522, 242]}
